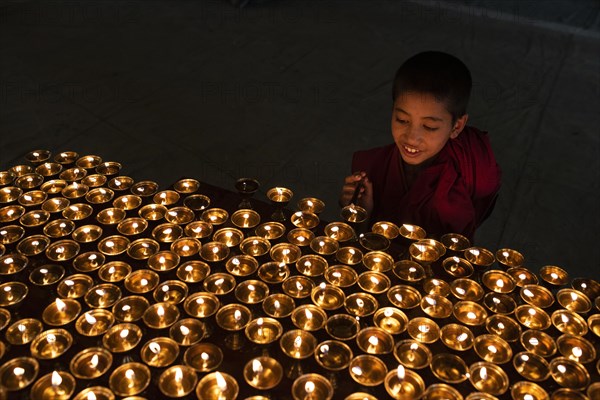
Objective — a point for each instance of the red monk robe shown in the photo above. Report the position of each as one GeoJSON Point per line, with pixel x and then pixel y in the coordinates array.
{"type": "Point", "coordinates": [455, 192]}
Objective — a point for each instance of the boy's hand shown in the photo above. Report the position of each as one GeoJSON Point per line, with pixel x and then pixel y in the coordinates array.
{"type": "Point", "coordinates": [365, 194]}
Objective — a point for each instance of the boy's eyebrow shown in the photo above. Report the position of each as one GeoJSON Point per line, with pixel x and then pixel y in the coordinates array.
{"type": "Point", "coordinates": [429, 117]}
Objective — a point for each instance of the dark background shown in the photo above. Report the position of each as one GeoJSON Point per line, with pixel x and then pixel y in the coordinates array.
{"type": "Point", "coordinates": [286, 90]}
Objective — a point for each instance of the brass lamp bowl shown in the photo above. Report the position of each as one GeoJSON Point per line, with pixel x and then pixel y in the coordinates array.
{"type": "Point", "coordinates": [46, 275]}
{"type": "Point", "coordinates": [263, 330]}
{"type": "Point", "coordinates": [305, 220]}
{"type": "Point", "coordinates": [531, 366]}
{"type": "Point", "coordinates": [378, 261]}
{"type": "Point", "coordinates": [554, 275]}
{"type": "Point", "coordinates": [121, 183]}
{"type": "Point", "coordinates": [390, 319]}
{"type": "Point", "coordinates": [368, 370]}
{"type": "Point", "coordinates": [404, 296]}
{"type": "Point", "coordinates": [34, 218]}
{"type": "Point", "coordinates": [255, 246]}
{"type": "Point", "coordinates": [114, 271]}
{"type": "Point", "coordinates": [186, 185]}
{"type": "Point", "coordinates": [177, 381]}
{"type": "Point", "coordinates": [311, 205]}
{"type": "Point", "coordinates": [11, 234]}
{"type": "Point", "coordinates": [4, 318]}
{"type": "Point", "coordinates": [569, 322]}
{"type": "Point", "coordinates": [457, 337]}
{"type": "Point", "coordinates": [241, 265]}
{"type": "Point", "coordinates": [113, 245]}
{"type": "Point", "coordinates": [374, 282]}
{"type": "Point", "coordinates": [499, 303]}
{"type": "Point", "coordinates": [59, 228]}
{"type": "Point", "coordinates": [522, 276]}
{"type": "Point", "coordinates": [409, 271]}
{"type": "Point", "coordinates": [412, 232]}
{"type": "Point", "coordinates": [144, 188]}
{"type": "Point", "coordinates": [299, 236]}
{"type": "Point", "coordinates": [436, 306]}
{"type": "Point", "coordinates": [201, 304]}
{"type": "Point", "coordinates": [328, 297]}
{"type": "Point", "coordinates": [23, 331]}
{"type": "Point", "coordinates": [55, 204]}
{"type": "Point", "coordinates": [263, 373]}
{"type": "Point", "coordinates": [166, 197]}
{"type": "Point", "coordinates": [333, 355]}
{"type": "Point", "coordinates": [298, 286]}
{"type": "Point", "coordinates": [349, 255]}
{"type": "Point", "coordinates": [537, 295]}
{"type": "Point", "coordinates": [449, 368]}
{"type": "Point", "coordinates": [167, 232]}
{"type": "Point", "coordinates": [354, 214]}
{"type": "Point", "coordinates": [270, 230]}
{"type": "Point", "coordinates": [574, 300]}
{"type": "Point", "coordinates": [589, 287]}
{"type": "Point", "coordinates": [66, 157]}
{"type": "Point", "coordinates": [373, 340]}
{"type": "Point", "coordinates": [141, 281]}
{"type": "Point", "coordinates": [180, 215]}
{"type": "Point", "coordinates": [32, 198]}
{"type": "Point", "coordinates": [510, 258]}
{"type": "Point", "coordinates": [102, 296]}
{"type": "Point", "coordinates": [99, 195]}
{"type": "Point", "coordinates": [163, 261]}
{"type": "Point", "coordinates": [129, 379]}
{"type": "Point", "coordinates": [214, 251]}
{"type": "Point", "coordinates": [87, 233]}
{"type": "Point", "coordinates": [466, 289]}
{"type": "Point", "coordinates": [489, 378]}
{"type": "Point", "coordinates": [142, 249]}
{"type": "Point", "coordinates": [38, 156]}
{"type": "Point", "coordinates": [245, 218]}
{"type": "Point", "coordinates": [152, 212]}
{"type": "Point", "coordinates": [12, 293]}
{"type": "Point", "coordinates": [498, 281]}
{"type": "Point", "coordinates": [94, 322]}
{"type": "Point", "coordinates": [412, 354]}
{"type": "Point", "coordinates": [75, 190]}
{"type": "Point", "coordinates": [172, 291]}
{"type": "Point", "coordinates": [197, 202]}
{"type": "Point", "coordinates": [29, 181]}
{"type": "Point", "coordinates": [127, 202]}
{"type": "Point", "coordinates": [160, 315]}
{"type": "Point", "coordinates": [188, 331]}
{"type": "Point", "coordinates": [525, 390]}
{"type": "Point", "coordinates": [13, 263]}
{"type": "Point", "coordinates": [203, 357]}
{"type": "Point", "coordinates": [311, 265]}
{"type": "Point", "coordinates": [89, 261]}
{"type": "Point", "coordinates": [230, 237]}
{"type": "Point", "coordinates": [51, 344]}
{"type": "Point", "coordinates": [224, 385]}
{"type": "Point", "coordinates": [426, 251]}
{"type": "Point", "coordinates": [341, 275]}
{"type": "Point", "coordinates": [9, 194]}
{"type": "Point", "coordinates": [324, 245]}
{"type": "Point", "coordinates": [279, 305]}
{"type": "Point", "coordinates": [111, 216]}
{"type": "Point", "coordinates": [285, 253]}
{"type": "Point", "coordinates": [342, 327]}
{"type": "Point", "coordinates": [251, 291]}
{"type": "Point", "coordinates": [132, 226]}
{"type": "Point", "coordinates": [298, 344]}
{"type": "Point", "coordinates": [219, 283]}
{"type": "Point", "coordinates": [387, 229]}
{"type": "Point", "coordinates": [479, 257]}
{"type": "Point", "coordinates": [569, 374]}
{"type": "Point", "coordinates": [532, 317]}
{"type": "Point", "coordinates": [455, 242]}
{"type": "Point", "coordinates": [74, 286]}
{"type": "Point", "coordinates": [193, 271]}
{"type": "Point", "coordinates": [373, 241]}
{"type": "Point", "coordinates": [457, 267]}
{"type": "Point", "coordinates": [309, 317]}
{"type": "Point", "coordinates": [7, 177]}
{"type": "Point", "coordinates": [11, 213]}
{"type": "Point", "coordinates": [62, 250]}
{"type": "Point", "coordinates": [360, 304]}
{"type": "Point", "coordinates": [233, 317]}
{"type": "Point", "coordinates": [198, 229]}
{"type": "Point", "coordinates": [90, 161]}
{"type": "Point", "coordinates": [538, 342]}
{"type": "Point", "coordinates": [400, 382]}
{"type": "Point", "coordinates": [91, 363]}
{"type": "Point", "coordinates": [57, 384]}
{"type": "Point", "coordinates": [130, 308]}
{"type": "Point", "coordinates": [504, 327]}
{"type": "Point", "coordinates": [94, 180]}
{"type": "Point", "coordinates": [423, 329]}
{"type": "Point", "coordinates": [470, 313]}
{"type": "Point", "coordinates": [77, 212]}
{"type": "Point", "coordinates": [492, 348]}
{"type": "Point", "coordinates": [215, 216]}
{"type": "Point", "coordinates": [273, 272]}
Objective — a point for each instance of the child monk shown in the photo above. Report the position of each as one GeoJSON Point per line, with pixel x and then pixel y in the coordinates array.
{"type": "Point", "coordinates": [439, 173]}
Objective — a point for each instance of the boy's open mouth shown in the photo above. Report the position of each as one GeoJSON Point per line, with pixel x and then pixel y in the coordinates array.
{"type": "Point", "coordinates": [410, 150]}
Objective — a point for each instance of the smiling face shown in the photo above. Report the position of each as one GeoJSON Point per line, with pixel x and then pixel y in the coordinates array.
{"type": "Point", "coordinates": [421, 126]}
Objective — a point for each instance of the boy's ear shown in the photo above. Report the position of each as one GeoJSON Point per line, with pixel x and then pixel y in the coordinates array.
{"type": "Point", "coordinates": [458, 126]}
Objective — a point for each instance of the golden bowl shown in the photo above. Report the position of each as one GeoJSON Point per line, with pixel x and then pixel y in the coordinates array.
{"type": "Point", "coordinates": [193, 271]}
{"type": "Point", "coordinates": [77, 212]}
{"type": "Point", "coordinates": [215, 216]}
{"type": "Point", "coordinates": [349, 255]}
{"type": "Point", "coordinates": [437, 287]}
{"type": "Point", "coordinates": [87, 233]}
{"type": "Point", "coordinates": [172, 291]}
{"type": "Point", "coordinates": [569, 374]}
{"type": "Point", "coordinates": [62, 250]}
{"type": "Point", "coordinates": [527, 390]}
{"type": "Point", "coordinates": [574, 300]}
{"type": "Point", "coordinates": [51, 344]}
{"type": "Point", "coordinates": [390, 319]}
{"type": "Point", "coordinates": [457, 337]}
{"type": "Point", "coordinates": [203, 357]}
{"type": "Point", "coordinates": [4, 318]}
{"type": "Point", "coordinates": [198, 229]}
{"type": "Point", "coordinates": [201, 304]}
{"type": "Point", "coordinates": [270, 230]}
{"type": "Point", "coordinates": [177, 381]}
{"type": "Point", "coordinates": [531, 366]}
{"type": "Point", "coordinates": [152, 212]}
{"type": "Point", "coordinates": [333, 355]}
{"type": "Point", "coordinates": [251, 291]}
{"type": "Point", "coordinates": [279, 305]}
{"type": "Point", "coordinates": [373, 340]}
{"type": "Point", "coordinates": [91, 363]}
{"type": "Point", "coordinates": [180, 215]}
{"type": "Point", "coordinates": [479, 257]}
{"type": "Point", "coordinates": [7, 177]}
{"type": "Point", "coordinates": [285, 253]}
{"type": "Point", "coordinates": [354, 214]}
{"type": "Point", "coordinates": [166, 197]}
{"type": "Point", "coordinates": [223, 385]}
{"type": "Point", "coordinates": [510, 258]}
{"type": "Point", "coordinates": [436, 306]}
{"type": "Point", "coordinates": [341, 275]}
{"type": "Point", "coordinates": [300, 236]}
{"type": "Point", "coordinates": [46, 275]}
{"type": "Point", "coordinates": [423, 330]}
{"type": "Point", "coordinates": [132, 226]}
{"type": "Point", "coordinates": [378, 261]}
{"type": "Point", "coordinates": [298, 344]}
{"type": "Point", "coordinates": [9, 194]}
{"type": "Point", "coordinates": [324, 245]}
{"type": "Point", "coordinates": [342, 327]}
{"type": "Point", "coordinates": [311, 205]}
{"type": "Point", "coordinates": [245, 218]}
{"type": "Point", "coordinates": [11, 234]}
{"type": "Point", "coordinates": [469, 313]}
{"type": "Point", "coordinates": [499, 303]}
{"type": "Point", "coordinates": [55, 385]}
{"type": "Point", "coordinates": [120, 183]}
{"type": "Point", "coordinates": [186, 246]}
{"type": "Point", "coordinates": [114, 271]}
{"type": "Point", "coordinates": [569, 322]}
{"type": "Point", "coordinates": [589, 287]}
{"type": "Point", "coordinates": [466, 289]}
{"type": "Point", "coordinates": [75, 190]}
{"type": "Point", "coordinates": [113, 245]}
{"type": "Point", "coordinates": [231, 237]}
{"type": "Point", "coordinates": [309, 317]}
{"type": "Point", "coordinates": [312, 385]}
{"type": "Point", "coordinates": [387, 229]}
{"type": "Point", "coordinates": [102, 296]}
{"type": "Point", "coordinates": [11, 213]}
{"type": "Point", "coordinates": [89, 161]}
{"type": "Point", "coordinates": [449, 368]}
{"type": "Point", "coordinates": [554, 275]}
{"type": "Point", "coordinates": [187, 185]}
{"type": "Point", "coordinates": [241, 265]}
{"type": "Point", "coordinates": [20, 170]}
{"type": "Point", "coordinates": [55, 204]}
{"type": "Point", "coordinates": [498, 281]}
{"type": "Point", "coordinates": [12, 293]}
{"type": "Point", "coordinates": [296, 286]}
{"type": "Point", "coordinates": [29, 181]}
{"type": "Point", "coordinates": [74, 286]}
{"type": "Point", "coordinates": [374, 282]}
{"type": "Point", "coordinates": [32, 198]}
{"type": "Point", "coordinates": [160, 315]}
{"type": "Point", "coordinates": [233, 317]}
{"type": "Point", "coordinates": [426, 251]}
{"type": "Point", "coordinates": [408, 271]}
{"type": "Point", "coordinates": [489, 378]}
{"type": "Point", "coordinates": [263, 373]}
{"type": "Point", "coordinates": [100, 393]}
{"type": "Point", "coordinates": [11, 264]}
{"type": "Point", "coordinates": [532, 317]}
{"type": "Point", "coordinates": [311, 265]}
{"type": "Point", "coordinates": [537, 295]}
{"type": "Point", "coordinates": [23, 331]}
{"type": "Point", "coordinates": [219, 283]}
{"type": "Point", "coordinates": [255, 246]}
{"type": "Point", "coordinates": [328, 297]}
{"type": "Point", "coordinates": [94, 322]}
{"type": "Point", "coordinates": [129, 379]}
{"type": "Point", "coordinates": [127, 202]}
{"type": "Point", "coordinates": [404, 296]}
{"type": "Point", "coordinates": [130, 308]}
{"type": "Point", "coordinates": [66, 157]}
{"type": "Point", "coordinates": [373, 241]}
{"type": "Point", "coordinates": [457, 267]}
{"type": "Point", "coordinates": [538, 342]}
{"type": "Point", "coordinates": [305, 220]}
{"type": "Point", "coordinates": [197, 202]}
{"type": "Point", "coordinates": [360, 304]}
{"type": "Point", "coordinates": [214, 251]}
{"type": "Point", "coordinates": [412, 354]}
{"type": "Point", "coordinates": [99, 195]}
{"type": "Point", "coordinates": [111, 216]}
{"type": "Point", "coordinates": [141, 281]}
{"type": "Point", "coordinates": [455, 242]}
{"type": "Point", "coordinates": [188, 331]}
{"type": "Point", "coordinates": [94, 180]}
{"type": "Point", "coordinates": [263, 330]}
{"type": "Point", "coordinates": [143, 249]}
{"type": "Point", "coordinates": [34, 218]}
{"type": "Point", "coordinates": [367, 370]}
{"type": "Point", "coordinates": [167, 233]}
{"type": "Point", "coordinates": [144, 188]}
{"type": "Point", "coordinates": [492, 348]}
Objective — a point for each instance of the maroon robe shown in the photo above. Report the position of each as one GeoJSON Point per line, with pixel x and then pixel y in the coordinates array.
{"type": "Point", "coordinates": [455, 193]}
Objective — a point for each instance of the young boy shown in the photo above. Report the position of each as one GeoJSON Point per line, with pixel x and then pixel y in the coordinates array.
{"type": "Point", "coordinates": [439, 173]}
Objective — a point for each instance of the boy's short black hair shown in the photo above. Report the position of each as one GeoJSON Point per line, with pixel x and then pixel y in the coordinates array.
{"type": "Point", "coordinates": [440, 74]}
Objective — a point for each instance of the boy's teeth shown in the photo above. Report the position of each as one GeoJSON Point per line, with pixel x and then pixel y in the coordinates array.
{"type": "Point", "coordinates": [411, 150]}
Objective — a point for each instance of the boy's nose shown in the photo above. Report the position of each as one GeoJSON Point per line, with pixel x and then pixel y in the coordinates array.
{"type": "Point", "coordinates": [412, 135]}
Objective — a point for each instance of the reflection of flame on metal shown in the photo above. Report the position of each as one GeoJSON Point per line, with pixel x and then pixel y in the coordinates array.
{"type": "Point", "coordinates": [56, 379]}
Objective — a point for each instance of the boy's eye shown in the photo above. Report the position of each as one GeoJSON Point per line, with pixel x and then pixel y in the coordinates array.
{"type": "Point", "coordinates": [401, 121]}
{"type": "Point", "coordinates": [429, 128]}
